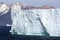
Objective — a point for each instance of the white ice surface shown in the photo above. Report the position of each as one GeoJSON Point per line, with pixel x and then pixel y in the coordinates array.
{"type": "Point", "coordinates": [36, 22]}
{"type": "Point", "coordinates": [51, 20]}
{"type": "Point", "coordinates": [3, 9]}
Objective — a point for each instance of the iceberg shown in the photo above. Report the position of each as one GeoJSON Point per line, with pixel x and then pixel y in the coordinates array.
{"type": "Point", "coordinates": [30, 21]}
{"type": "Point", "coordinates": [36, 22]}
{"type": "Point", "coordinates": [50, 19]}
{"type": "Point", "coordinates": [25, 22]}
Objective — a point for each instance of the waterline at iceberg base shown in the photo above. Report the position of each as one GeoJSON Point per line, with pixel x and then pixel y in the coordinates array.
{"type": "Point", "coordinates": [36, 22]}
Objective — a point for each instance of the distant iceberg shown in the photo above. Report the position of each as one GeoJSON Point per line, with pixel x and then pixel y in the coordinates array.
{"type": "Point", "coordinates": [3, 9]}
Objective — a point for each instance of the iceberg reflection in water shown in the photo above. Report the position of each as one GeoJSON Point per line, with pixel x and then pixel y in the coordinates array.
{"type": "Point", "coordinates": [36, 22]}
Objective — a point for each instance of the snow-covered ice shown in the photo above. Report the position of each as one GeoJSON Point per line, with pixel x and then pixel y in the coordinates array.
{"type": "Point", "coordinates": [50, 18]}
{"type": "Point", "coordinates": [36, 22]}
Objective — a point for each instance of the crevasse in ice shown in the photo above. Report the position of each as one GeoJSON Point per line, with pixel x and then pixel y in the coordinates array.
{"type": "Point", "coordinates": [36, 22]}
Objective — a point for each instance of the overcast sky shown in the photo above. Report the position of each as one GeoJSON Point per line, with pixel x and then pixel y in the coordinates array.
{"type": "Point", "coordinates": [55, 3]}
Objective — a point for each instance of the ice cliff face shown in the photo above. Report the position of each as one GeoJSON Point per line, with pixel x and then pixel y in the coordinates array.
{"type": "Point", "coordinates": [25, 22]}
{"type": "Point", "coordinates": [50, 19]}
{"type": "Point", "coordinates": [35, 21]}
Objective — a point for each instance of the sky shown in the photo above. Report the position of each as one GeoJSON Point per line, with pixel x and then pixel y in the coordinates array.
{"type": "Point", "coordinates": [54, 3]}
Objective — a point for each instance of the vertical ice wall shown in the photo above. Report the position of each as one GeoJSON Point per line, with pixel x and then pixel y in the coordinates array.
{"type": "Point", "coordinates": [26, 22]}
{"type": "Point", "coordinates": [17, 19]}
{"type": "Point", "coordinates": [50, 18]}
{"type": "Point", "coordinates": [36, 22]}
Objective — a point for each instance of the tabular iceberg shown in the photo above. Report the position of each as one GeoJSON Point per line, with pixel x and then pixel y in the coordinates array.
{"type": "Point", "coordinates": [26, 22]}
{"type": "Point", "coordinates": [36, 22]}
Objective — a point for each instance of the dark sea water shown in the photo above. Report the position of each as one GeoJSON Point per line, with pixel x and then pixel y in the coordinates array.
{"type": "Point", "coordinates": [6, 18]}
{"type": "Point", "coordinates": [6, 35]}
